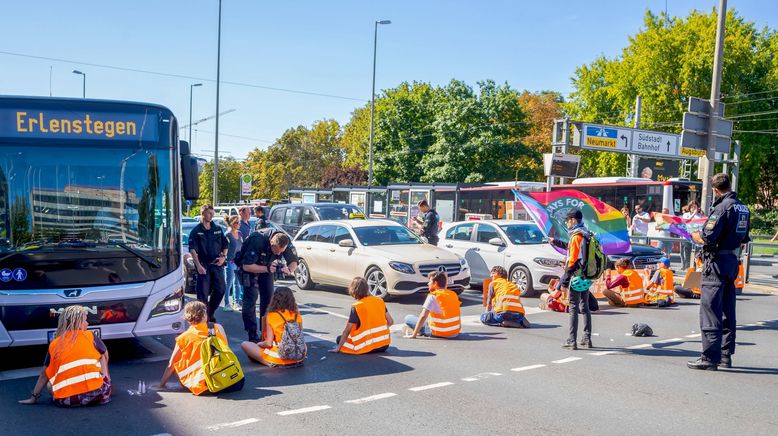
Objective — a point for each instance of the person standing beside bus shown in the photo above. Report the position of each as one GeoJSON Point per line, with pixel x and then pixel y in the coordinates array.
{"type": "Point", "coordinates": [625, 212]}
{"type": "Point", "coordinates": [640, 221]}
{"type": "Point", "coordinates": [429, 226]}
{"type": "Point", "coordinates": [208, 247]}
{"type": "Point", "coordinates": [235, 239]}
{"type": "Point", "coordinates": [692, 213]}
{"type": "Point", "coordinates": [245, 228]}
{"type": "Point", "coordinates": [259, 212]}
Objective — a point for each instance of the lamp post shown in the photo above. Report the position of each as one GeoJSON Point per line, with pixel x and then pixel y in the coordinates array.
{"type": "Point", "coordinates": [191, 87]}
{"type": "Point", "coordinates": [372, 103]}
{"type": "Point", "coordinates": [83, 82]}
{"type": "Point", "coordinates": [216, 139]}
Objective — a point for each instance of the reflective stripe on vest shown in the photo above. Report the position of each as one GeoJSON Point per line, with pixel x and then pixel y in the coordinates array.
{"type": "Point", "coordinates": [633, 294]}
{"type": "Point", "coordinates": [373, 332]}
{"type": "Point", "coordinates": [189, 365]}
{"type": "Point", "coordinates": [448, 322]}
{"type": "Point", "coordinates": [75, 369]}
{"type": "Point", "coordinates": [667, 289]}
{"type": "Point", "coordinates": [276, 323]}
{"type": "Point", "coordinates": [507, 297]}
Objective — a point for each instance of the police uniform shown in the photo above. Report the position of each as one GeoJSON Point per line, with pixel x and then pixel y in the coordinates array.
{"type": "Point", "coordinates": [724, 231]}
{"type": "Point", "coordinates": [209, 244]}
{"type": "Point", "coordinates": [257, 251]}
{"type": "Point", "coordinates": [430, 226]}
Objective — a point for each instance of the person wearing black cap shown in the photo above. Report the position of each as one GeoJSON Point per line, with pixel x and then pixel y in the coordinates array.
{"type": "Point", "coordinates": [722, 235]}
{"type": "Point", "coordinates": [579, 299]}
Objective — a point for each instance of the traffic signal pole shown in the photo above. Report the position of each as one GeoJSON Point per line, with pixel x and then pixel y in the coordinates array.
{"type": "Point", "coordinates": [715, 92]}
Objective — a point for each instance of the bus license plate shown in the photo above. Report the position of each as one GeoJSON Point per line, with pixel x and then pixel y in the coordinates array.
{"type": "Point", "coordinates": [50, 334]}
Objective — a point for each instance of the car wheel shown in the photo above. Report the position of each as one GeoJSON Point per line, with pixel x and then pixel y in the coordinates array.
{"type": "Point", "coordinates": [523, 279]}
{"type": "Point", "coordinates": [302, 276]}
{"type": "Point", "coordinates": [376, 282]}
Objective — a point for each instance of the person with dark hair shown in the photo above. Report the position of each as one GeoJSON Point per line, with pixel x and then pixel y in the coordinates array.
{"type": "Point", "coordinates": [722, 235]}
{"type": "Point", "coordinates": [441, 309]}
{"type": "Point", "coordinates": [367, 329]}
{"type": "Point", "coordinates": [208, 246]}
{"type": "Point", "coordinates": [692, 212]}
{"type": "Point", "coordinates": [245, 228]}
{"type": "Point", "coordinates": [259, 212]}
{"type": "Point", "coordinates": [429, 223]}
{"type": "Point", "coordinates": [629, 286]}
{"type": "Point", "coordinates": [281, 310]}
{"type": "Point", "coordinates": [503, 302]}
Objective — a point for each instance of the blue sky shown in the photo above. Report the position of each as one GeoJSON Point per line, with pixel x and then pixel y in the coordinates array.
{"type": "Point", "coordinates": [315, 46]}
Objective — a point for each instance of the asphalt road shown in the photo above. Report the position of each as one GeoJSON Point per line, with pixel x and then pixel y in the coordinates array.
{"type": "Point", "coordinates": [489, 380]}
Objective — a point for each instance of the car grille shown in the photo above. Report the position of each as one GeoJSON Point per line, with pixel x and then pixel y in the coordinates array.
{"type": "Point", "coordinates": [452, 269]}
{"type": "Point", "coordinates": [642, 262]}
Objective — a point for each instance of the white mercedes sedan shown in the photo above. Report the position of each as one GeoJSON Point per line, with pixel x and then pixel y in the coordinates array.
{"type": "Point", "coordinates": [392, 259]}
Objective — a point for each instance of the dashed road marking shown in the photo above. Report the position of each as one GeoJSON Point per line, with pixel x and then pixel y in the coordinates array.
{"type": "Point", "coordinates": [695, 335]}
{"type": "Point", "coordinates": [304, 410]}
{"type": "Point", "coordinates": [603, 353]}
{"type": "Point", "coordinates": [567, 360]}
{"type": "Point", "coordinates": [316, 309]}
{"type": "Point", "coordinates": [232, 424]}
{"type": "Point", "coordinates": [664, 341]}
{"type": "Point", "coordinates": [432, 386]}
{"type": "Point", "coordinates": [371, 398]}
{"type": "Point", "coordinates": [481, 376]}
{"type": "Point", "coordinates": [528, 368]}
{"type": "Point", "coordinates": [639, 346]}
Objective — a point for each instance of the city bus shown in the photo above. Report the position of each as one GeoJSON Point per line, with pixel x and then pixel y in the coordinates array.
{"type": "Point", "coordinates": [91, 194]}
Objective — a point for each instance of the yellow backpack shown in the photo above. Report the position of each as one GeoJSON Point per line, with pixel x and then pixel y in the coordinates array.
{"type": "Point", "coordinates": [220, 365]}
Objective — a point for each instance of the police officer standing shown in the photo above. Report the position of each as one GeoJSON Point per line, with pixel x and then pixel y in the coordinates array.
{"type": "Point", "coordinates": [429, 227]}
{"type": "Point", "coordinates": [208, 247]}
{"type": "Point", "coordinates": [260, 257]}
{"type": "Point", "coordinates": [725, 230]}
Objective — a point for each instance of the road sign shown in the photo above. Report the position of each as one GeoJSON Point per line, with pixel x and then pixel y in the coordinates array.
{"type": "Point", "coordinates": [695, 142]}
{"type": "Point", "coordinates": [654, 143]}
{"type": "Point", "coordinates": [696, 122]}
{"type": "Point", "coordinates": [626, 140]}
{"type": "Point", "coordinates": [702, 106]}
{"type": "Point", "coordinates": [245, 184]}
{"type": "Point", "coordinates": [561, 165]}
{"type": "Point", "coordinates": [607, 138]}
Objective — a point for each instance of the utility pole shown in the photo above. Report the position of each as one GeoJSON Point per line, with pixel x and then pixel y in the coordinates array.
{"type": "Point", "coordinates": [216, 139]}
{"type": "Point", "coordinates": [715, 91]}
{"type": "Point", "coordinates": [372, 104]}
{"type": "Point", "coordinates": [632, 159]}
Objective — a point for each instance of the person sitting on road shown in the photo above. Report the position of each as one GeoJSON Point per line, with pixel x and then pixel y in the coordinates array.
{"type": "Point", "coordinates": [555, 299]}
{"type": "Point", "coordinates": [282, 310]}
{"type": "Point", "coordinates": [367, 329]}
{"type": "Point", "coordinates": [76, 365]}
{"type": "Point", "coordinates": [628, 283]}
{"type": "Point", "coordinates": [503, 302]}
{"type": "Point", "coordinates": [440, 313]}
{"type": "Point", "coordinates": [688, 292]}
{"type": "Point", "coordinates": [185, 359]}
{"type": "Point", "coordinates": [661, 288]}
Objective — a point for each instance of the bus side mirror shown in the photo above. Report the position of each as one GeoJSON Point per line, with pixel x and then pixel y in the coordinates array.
{"type": "Point", "coordinates": [190, 174]}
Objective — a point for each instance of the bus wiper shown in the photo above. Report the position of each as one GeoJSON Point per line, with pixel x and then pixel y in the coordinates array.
{"type": "Point", "coordinates": [151, 261]}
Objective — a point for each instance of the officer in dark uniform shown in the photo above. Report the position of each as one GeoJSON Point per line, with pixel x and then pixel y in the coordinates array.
{"type": "Point", "coordinates": [208, 247]}
{"type": "Point", "coordinates": [429, 227]}
{"type": "Point", "coordinates": [722, 235]}
{"type": "Point", "coordinates": [260, 257]}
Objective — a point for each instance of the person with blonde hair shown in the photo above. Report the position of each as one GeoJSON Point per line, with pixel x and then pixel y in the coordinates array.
{"type": "Point", "coordinates": [235, 239]}
{"type": "Point", "coordinates": [185, 359]}
{"type": "Point", "coordinates": [281, 310]}
{"type": "Point", "coordinates": [367, 329]}
{"type": "Point", "coordinates": [76, 365]}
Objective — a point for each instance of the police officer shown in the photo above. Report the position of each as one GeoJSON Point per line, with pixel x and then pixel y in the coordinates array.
{"type": "Point", "coordinates": [723, 233]}
{"type": "Point", "coordinates": [208, 247]}
{"type": "Point", "coordinates": [429, 227]}
{"type": "Point", "coordinates": [260, 256]}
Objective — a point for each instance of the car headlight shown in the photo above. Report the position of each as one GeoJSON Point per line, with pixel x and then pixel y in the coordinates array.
{"type": "Point", "coordinates": [615, 257]}
{"type": "Point", "coordinates": [547, 262]}
{"type": "Point", "coordinates": [402, 267]}
{"type": "Point", "coordinates": [170, 304]}
{"type": "Point", "coordinates": [463, 263]}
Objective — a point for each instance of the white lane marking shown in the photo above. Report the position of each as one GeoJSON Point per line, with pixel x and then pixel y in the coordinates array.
{"type": "Point", "coordinates": [371, 398]}
{"type": "Point", "coordinates": [304, 410]}
{"type": "Point", "coordinates": [232, 424]}
{"type": "Point", "coordinates": [527, 368]}
{"type": "Point", "coordinates": [637, 347]}
{"type": "Point", "coordinates": [603, 353]}
{"type": "Point", "coordinates": [663, 341]}
{"type": "Point", "coordinates": [748, 325]}
{"type": "Point", "coordinates": [316, 309]}
{"type": "Point", "coordinates": [481, 376]}
{"type": "Point", "coordinates": [696, 335]}
{"type": "Point", "coordinates": [566, 360]}
{"type": "Point", "coordinates": [432, 386]}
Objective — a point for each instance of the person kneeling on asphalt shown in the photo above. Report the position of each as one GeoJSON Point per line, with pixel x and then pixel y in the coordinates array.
{"type": "Point", "coordinates": [503, 302]}
{"type": "Point", "coordinates": [76, 365]}
{"type": "Point", "coordinates": [440, 314]}
{"type": "Point", "coordinates": [367, 329]}
{"type": "Point", "coordinates": [661, 287]}
{"type": "Point", "coordinates": [282, 319]}
{"type": "Point", "coordinates": [628, 282]}
{"type": "Point", "coordinates": [554, 299]}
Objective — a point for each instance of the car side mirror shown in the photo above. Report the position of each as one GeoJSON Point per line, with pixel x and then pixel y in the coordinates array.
{"type": "Point", "coordinates": [497, 242]}
{"type": "Point", "coordinates": [348, 243]}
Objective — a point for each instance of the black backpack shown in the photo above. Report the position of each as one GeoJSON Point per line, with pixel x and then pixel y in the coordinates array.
{"type": "Point", "coordinates": [253, 240]}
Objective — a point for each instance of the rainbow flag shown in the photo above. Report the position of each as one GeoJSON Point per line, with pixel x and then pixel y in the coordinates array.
{"type": "Point", "coordinates": [548, 210]}
{"type": "Point", "coordinates": [677, 225]}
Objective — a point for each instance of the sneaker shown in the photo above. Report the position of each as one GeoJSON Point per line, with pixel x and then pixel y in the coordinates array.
{"type": "Point", "coordinates": [586, 343]}
{"type": "Point", "coordinates": [237, 307]}
{"type": "Point", "coordinates": [570, 345]}
{"type": "Point", "coordinates": [512, 324]}
{"type": "Point", "coordinates": [407, 331]}
{"type": "Point", "coordinates": [228, 308]}
{"type": "Point", "coordinates": [702, 364]}
{"type": "Point", "coordinates": [726, 362]}
{"type": "Point", "coordinates": [525, 323]}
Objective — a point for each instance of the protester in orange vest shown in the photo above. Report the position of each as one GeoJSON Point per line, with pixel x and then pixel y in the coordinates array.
{"type": "Point", "coordinates": [76, 365]}
{"type": "Point", "coordinates": [440, 313]}
{"type": "Point", "coordinates": [555, 299]}
{"type": "Point", "coordinates": [367, 329]}
{"type": "Point", "coordinates": [692, 292]}
{"type": "Point", "coordinates": [628, 281]}
{"type": "Point", "coordinates": [661, 286]}
{"type": "Point", "coordinates": [503, 302]}
{"type": "Point", "coordinates": [185, 360]}
{"type": "Point", "coordinates": [282, 309]}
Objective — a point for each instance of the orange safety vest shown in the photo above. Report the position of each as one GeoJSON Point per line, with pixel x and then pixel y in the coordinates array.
{"type": "Point", "coordinates": [695, 291]}
{"type": "Point", "coordinates": [75, 369]}
{"type": "Point", "coordinates": [189, 365]}
{"type": "Point", "coordinates": [632, 294]}
{"type": "Point", "coordinates": [740, 281]}
{"type": "Point", "coordinates": [373, 332]}
{"type": "Point", "coordinates": [447, 323]}
{"type": "Point", "coordinates": [507, 297]}
{"type": "Point", "coordinates": [667, 289]}
{"type": "Point", "coordinates": [275, 321]}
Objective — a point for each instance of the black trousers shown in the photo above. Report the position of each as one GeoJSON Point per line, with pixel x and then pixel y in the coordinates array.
{"type": "Point", "coordinates": [259, 286]}
{"type": "Point", "coordinates": [211, 287]}
{"type": "Point", "coordinates": [579, 302]}
{"type": "Point", "coordinates": [717, 307]}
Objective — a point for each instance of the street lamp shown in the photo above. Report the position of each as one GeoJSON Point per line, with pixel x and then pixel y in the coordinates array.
{"type": "Point", "coordinates": [190, 110]}
{"type": "Point", "coordinates": [372, 102]}
{"type": "Point", "coordinates": [216, 140]}
{"type": "Point", "coordinates": [83, 83]}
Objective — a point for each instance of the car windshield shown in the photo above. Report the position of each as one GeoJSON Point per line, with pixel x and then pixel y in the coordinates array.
{"type": "Point", "coordinates": [339, 212]}
{"type": "Point", "coordinates": [523, 234]}
{"type": "Point", "coordinates": [386, 235]}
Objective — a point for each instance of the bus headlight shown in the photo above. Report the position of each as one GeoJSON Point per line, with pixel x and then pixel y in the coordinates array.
{"type": "Point", "coordinates": [547, 262]}
{"type": "Point", "coordinates": [170, 304]}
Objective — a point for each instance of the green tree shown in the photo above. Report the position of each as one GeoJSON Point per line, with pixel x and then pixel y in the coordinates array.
{"type": "Point", "coordinates": [230, 171]}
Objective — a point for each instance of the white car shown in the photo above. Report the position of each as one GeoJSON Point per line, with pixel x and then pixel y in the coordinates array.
{"type": "Point", "coordinates": [392, 259]}
{"type": "Point", "coordinates": [517, 246]}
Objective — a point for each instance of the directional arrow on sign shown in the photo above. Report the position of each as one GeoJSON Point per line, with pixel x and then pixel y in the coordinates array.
{"type": "Point", "coordinates": [626, 144]}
